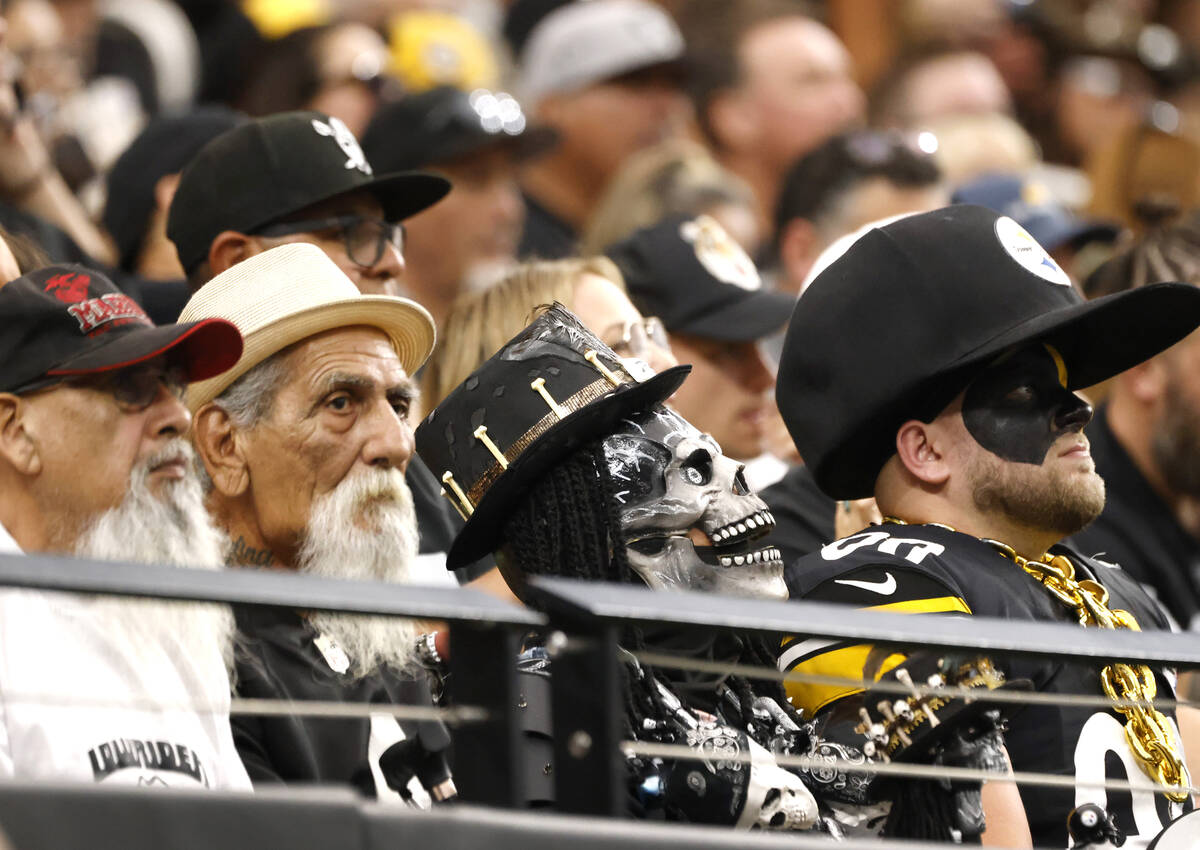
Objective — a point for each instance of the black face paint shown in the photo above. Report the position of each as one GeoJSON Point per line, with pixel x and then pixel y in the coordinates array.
{"type": "Point", "coordinates": [1018, 408]}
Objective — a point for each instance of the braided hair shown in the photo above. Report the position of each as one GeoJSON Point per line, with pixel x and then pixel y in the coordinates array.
{"type": "Point", "coordinates": [566, 525]}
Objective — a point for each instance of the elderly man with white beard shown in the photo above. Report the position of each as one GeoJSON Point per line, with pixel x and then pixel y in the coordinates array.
{"type": "Point", "coordinates": [93, 462]}
{"type": "Point", "coordinates": [305, 442]}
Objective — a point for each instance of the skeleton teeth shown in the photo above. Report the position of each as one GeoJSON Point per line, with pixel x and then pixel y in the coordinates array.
{"type": "Point", "coordinates": [741, 527]}
{"type": "Point", "coordinates": [725, 562]}
{"type": "Point", "coordinates": [739, 560]}
{"type": "Point", "coordinates": [751, 523]}
{"type": "Point", "coordinates": [757, 557]}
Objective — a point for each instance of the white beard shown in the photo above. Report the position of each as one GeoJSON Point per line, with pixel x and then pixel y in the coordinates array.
{"type": "Point", "coordinates": [172, 529]}
{"type": "Point", "coordinates": [365, 529]}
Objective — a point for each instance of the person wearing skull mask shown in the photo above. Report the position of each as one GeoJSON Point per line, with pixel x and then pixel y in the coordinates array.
{"type": "Point", "coordinates": [596, 459]}
{"type": "Point", "coordinates": [582, 472]}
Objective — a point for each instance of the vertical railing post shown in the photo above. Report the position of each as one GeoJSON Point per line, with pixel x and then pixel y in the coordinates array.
{"type": "Point", "coordinates": [488, 766]}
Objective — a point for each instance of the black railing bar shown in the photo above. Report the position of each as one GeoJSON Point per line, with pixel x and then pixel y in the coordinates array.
{"type": "Point", "coordinates": [271, 588]}
{"type": "Point", "coordinates": [906, 770]}
{"type": "Point", "coordinates": [451, 715]}
{"type": "Point", "coordinates": [1013, 695]}
{"type": "Point", "coordinates": [576, 603]}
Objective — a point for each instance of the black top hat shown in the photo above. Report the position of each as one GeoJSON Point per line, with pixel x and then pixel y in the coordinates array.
{"type": "Point", "coordinates": [269, 168]}
{"type": "Point", "coordinates": [551, 389]}
{"type": "Point", "coordinates": [895, 329]}
{"type": "Point", "coordinates": [691, 274]}
{"type": "Point", "coordinates": [67, 320]}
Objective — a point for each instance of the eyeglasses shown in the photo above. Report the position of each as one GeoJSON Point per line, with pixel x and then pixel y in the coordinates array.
{"type": "Point", "coordinates": [134, 389]}
{"type": "Point", "coordinates": [365, 239]}
{"type": "Point", "coordinates": [639, 337]}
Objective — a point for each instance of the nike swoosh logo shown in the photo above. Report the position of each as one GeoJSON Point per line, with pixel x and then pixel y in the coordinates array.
{"type": "Point", "coordinates": [886, 587]}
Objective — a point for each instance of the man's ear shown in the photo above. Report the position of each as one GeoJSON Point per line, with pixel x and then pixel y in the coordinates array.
{"type": "Point", "coordinates": [1146, 382]}
{"type": "Point", "coordinates": [920, 451]}
{"type": "Point", "coordinates": [164, 191]}
{"type": "Point", "coordinates": [18, 444]}
{"type": "Point", "coordinates": [229, 248]}
{"type": "Point", "coordinates": [220, 449]}
{"type": "Point", "coordinates": [730, 121]}
{"type": "Point", "coordinates": [797, 252]}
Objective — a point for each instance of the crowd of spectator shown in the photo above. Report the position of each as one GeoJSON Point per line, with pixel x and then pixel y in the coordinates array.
{"type": "Point", "coordinates": [246, 247]}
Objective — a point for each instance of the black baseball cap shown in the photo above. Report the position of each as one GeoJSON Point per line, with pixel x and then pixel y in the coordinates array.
{"type": "Point", "coordinates": [164, 146]}
{"type": "Point", "coordinates": [898, 325]}
{"type": "Point", "coordinates": [444, 123]}
{"type": "Point", "coordinates": [691, 274]}
{"type": "Point", "coordinates": [69, 320]}
{"type": "Point", "coordinates": [270, 168]}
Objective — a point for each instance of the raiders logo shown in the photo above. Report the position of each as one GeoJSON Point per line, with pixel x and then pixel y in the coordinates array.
{"type": "Point", "coordinates": [355, 158]}
{"type": "Point", "coordinates": [719, 254]}
{"type": "Point", "coordinates": [69, 288]}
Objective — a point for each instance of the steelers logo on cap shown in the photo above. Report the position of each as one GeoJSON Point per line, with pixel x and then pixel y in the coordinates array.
{"type": "Point", "coordinates": [722, 257]}
{"type": "Point", "coordinates": [1031, 256]}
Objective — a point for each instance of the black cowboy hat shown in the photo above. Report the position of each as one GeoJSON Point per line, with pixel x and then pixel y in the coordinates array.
{"type": "Point", "coordinates": [551, 389]}
{"type": "Point", "coordinates": [895, 329]}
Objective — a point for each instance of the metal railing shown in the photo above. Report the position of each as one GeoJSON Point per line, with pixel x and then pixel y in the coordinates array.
{"type": "Point", "coordinates": [588, 748]}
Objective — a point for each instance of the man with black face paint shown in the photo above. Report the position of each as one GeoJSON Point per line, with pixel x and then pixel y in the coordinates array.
{"type": "Point", "coordinates": [933, 367]}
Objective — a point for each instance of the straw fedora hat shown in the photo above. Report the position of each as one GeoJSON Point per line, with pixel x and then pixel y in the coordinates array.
{"type": "Point", "coordinates": [292, 292]}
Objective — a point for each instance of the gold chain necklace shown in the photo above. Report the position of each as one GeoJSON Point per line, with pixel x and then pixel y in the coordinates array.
{"type": "Point", "coordinates": [1147, 730]}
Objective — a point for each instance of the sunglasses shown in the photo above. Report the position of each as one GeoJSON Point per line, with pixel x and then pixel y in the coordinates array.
{"type": "Point", "coordinates": [133, 389]}
{"type": "Point", "coordinates": [365, 239]}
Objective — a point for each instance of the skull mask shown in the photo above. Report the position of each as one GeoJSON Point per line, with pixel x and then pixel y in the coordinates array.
{"type": "Point", "coordinates": [674, 488]}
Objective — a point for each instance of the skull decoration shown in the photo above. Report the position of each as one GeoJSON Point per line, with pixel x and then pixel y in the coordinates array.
{"type": "Point", "coordinates": [687, 518]}
{"type": "Point", "coordinates": [776, 798]}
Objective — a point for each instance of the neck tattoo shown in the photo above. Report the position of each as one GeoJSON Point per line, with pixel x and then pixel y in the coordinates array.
{"type": "Point", "coordinates": [242, 554]}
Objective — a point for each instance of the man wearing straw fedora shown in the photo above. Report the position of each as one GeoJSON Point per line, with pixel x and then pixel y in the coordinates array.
{"type": "Point", "coordinates": [933, 366]}
{"type": "Point", "coordinates": [305, 442]}
{"type": "Point", "coordinates": [302, 177]}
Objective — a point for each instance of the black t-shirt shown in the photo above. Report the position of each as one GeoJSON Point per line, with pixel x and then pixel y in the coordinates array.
{"type": "Point", "coordinates": [927, 569]}
{"type": "Point", "coordinates": [1138, 531]}
{"type": "Point", "coordinates": [803, 514]}
{"type": "Point", "coordinates": [546, 236]}
{"type": "Point", "coordinates": [278, 658]}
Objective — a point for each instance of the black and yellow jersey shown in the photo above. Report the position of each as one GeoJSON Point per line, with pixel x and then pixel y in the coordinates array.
{"type": "Point", "coordinates": [934, 570]}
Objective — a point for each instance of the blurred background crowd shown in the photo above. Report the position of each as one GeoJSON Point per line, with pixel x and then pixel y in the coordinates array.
{"type": "Point", "coordinates": [792, 123]}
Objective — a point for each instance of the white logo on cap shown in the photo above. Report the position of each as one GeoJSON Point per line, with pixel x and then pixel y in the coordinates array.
{"type": "Point", "coordinates": [719, 254]}
{"type": "Point", "coordinates": [1023, 248]}
{"type": "Point", "coordinates": [355, 158]}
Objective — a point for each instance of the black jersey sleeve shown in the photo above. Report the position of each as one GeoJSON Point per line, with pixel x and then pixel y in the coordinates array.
{"type": "Point", "coordinates": [833, 669]}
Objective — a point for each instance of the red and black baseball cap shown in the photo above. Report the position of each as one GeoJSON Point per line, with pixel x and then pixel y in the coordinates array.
{"type": "Point", "coordinates": [69, 320]}
{"type": "Point", "coordinates": [269, 168]}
